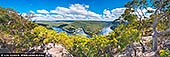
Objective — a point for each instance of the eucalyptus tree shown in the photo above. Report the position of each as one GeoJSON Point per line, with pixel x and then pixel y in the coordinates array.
{"type": "Point", "coordinates": [161, 12]}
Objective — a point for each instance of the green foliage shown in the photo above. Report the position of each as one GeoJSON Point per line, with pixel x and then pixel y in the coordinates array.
{"type": "Point", "coordinates": [17, 29]}
{"type": "Point", "coordinates": [164, 53]}
{"type": "Point", "coordinates": [80, 45]}
{"type": "Point", "coordinates": [160, 16]}
{"type": "Point", "coordinates": [125, 35]}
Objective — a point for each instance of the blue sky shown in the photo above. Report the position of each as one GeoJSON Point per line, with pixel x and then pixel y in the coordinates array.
{"type": "Point", "coordinates": [95, 5]}
{"type": "Point", "coordinates": [95, 8]}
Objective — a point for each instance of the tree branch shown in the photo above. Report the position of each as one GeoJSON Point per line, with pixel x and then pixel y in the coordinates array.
{"type": "Point", "coordinates": [169, 21]}
{"type": "Point", "coordinates": [165, 31]}
{"type": "Point", "coordinates": [156, 19]}
{"type": "Point", "coordinates": [168, 17]}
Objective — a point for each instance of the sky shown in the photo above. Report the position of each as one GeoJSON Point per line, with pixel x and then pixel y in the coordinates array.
{"type": "Point", "coordinates": [68, 9]}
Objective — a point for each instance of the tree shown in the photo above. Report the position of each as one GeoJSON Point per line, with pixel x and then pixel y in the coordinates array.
{"type": "Point", "coordinates": [161, 12]}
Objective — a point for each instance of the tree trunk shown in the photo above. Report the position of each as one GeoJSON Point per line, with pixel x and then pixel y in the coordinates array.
{"type": "Point", "coordinates": [155, 42]}
{"type": "Point", "coordinates": [129, 50]}
{"type": "Point", "coordinates": [154, 36]}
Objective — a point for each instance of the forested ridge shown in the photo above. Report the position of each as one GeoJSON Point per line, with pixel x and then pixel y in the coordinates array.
{"type": "Point", "coordinates": [18, 34]}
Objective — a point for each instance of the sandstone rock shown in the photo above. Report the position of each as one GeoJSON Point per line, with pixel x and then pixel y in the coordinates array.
{"type": "Point", "coordinates": [51, 50]}
{"type": "Point", "coordinates": [149, 54]}
{"type": "Point", "coordinates": [146, 39]}
{"type": "Point", "coordinates": [57, 51]}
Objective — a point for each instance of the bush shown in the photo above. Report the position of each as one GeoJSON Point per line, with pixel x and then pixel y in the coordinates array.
{"type": "Point", "coordinates": [79, 45]}
{"type": "Point", "coordinates": [164, 53]}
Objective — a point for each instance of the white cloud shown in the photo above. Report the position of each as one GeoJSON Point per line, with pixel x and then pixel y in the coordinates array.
{"type": "Point", "coordinates": [23, 14]}
{"type": "Point", "coordinates": [113, 14]}
{"type": "Point", "coordinates": [53, 11]}
{"type": "Point", "coordinates": [117, 12]}
{"type": "Point", "coordinates": [61, 10]}
{"type": "Point", "coordinates": [57, 16]}
{"type": "Point", "coordinates": [43, 11]}
{"type": "Point", "coordinates": [76, 11]}
{"type": "Point", "coordinates": [39, 15]}
{"type": "Point", "coordinates": [87, 6]}
{"type": "Point", "coordinates": [79, 12]}
{"type": "Point", "coordinates": [80, 16]}
{"type": "Point", "coordinates": [146, 14]}
{"type": "Point", "coordinates": [107, 13]}
{"type": "Point", "coordinates": [32, 11]}
{"type": "Point", "coordinates": [78, 7]}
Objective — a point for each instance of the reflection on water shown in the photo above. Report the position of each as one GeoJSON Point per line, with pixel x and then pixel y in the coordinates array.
{"type": "Point", "coordinates": [81, 31]}
{"type": "Point", "coordinates": [57, 29]}
{"type": "Point", "coordinates": [106, 30]}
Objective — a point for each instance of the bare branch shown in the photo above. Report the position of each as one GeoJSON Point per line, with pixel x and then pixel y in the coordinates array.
{"type": "Point", "coordinates": [168, 21]}
{"type": "Point", "coordinates": [165, 31]}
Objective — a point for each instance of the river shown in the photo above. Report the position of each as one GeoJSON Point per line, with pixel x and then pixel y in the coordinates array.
{"type": "Point", "coordinates": [105, 31]}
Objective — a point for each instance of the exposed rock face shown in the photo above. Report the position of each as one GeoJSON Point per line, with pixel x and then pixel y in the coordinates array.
{"type": "Point", "coordinates": [57, 50]}
{"type": "Point", "coordinates": [51, 50]}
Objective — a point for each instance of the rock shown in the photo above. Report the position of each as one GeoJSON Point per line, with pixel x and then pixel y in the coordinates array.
{"type": "Point", "coordinates": [4, 50]}
{"type": "Point", "coordinates": [146, 39]}
{"type": "Point", "coordinates": [57, 51]}
{"type": "Point", "coordinates": [51, 50]}
{"type": "Point", "coordinates": [149, 54]}
{"type": "Point", "coordinates": [167, 44]}
{"type": "Point", "coordinates": [139, 48]}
